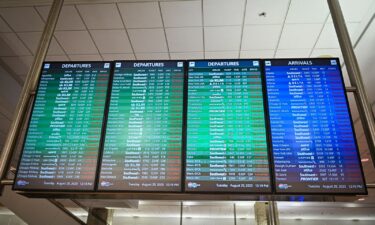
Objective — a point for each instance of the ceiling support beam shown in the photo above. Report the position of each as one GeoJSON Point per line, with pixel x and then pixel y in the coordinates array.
{"type": "Point", "coordinates": [364, 107]}
{"type": "Point", "coordinates": [29, 88]}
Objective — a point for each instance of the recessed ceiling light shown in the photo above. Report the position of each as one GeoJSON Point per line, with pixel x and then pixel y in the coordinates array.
{"type": "Point", "coordinates": [365, 160]}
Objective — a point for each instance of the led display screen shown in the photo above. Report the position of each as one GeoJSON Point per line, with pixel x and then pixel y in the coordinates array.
{"type": "Point", "coordinates": [62, 141]}
{"type": "Point", "coordinates": [226, 143]}
{"type": "Point", "coordinates": [313, 143]}
{"type": "Point", "coordinates": [143, 141]}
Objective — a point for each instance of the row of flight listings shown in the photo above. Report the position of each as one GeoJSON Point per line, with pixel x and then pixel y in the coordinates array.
{"type": "Point", "coordinates": [220, 126]}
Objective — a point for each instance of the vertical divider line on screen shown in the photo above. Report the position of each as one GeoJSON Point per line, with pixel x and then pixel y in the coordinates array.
{"type": "Point", "coordinates": [104, 125]}
{"type": "Point", "coordinates": [351, 124]}
{"type": "Point", "coordinates": [271, 165]}
{"type": "Point", "coordinates": [184, 127]}
{"type": "Point", "coordinates": [27, 129]}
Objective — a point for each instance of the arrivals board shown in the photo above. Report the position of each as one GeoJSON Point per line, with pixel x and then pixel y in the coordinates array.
{"type": "Point", "coordinates": [143, 141]}
{"type": "Point", "coordinates": [313, 143]}
{"type": "Point", "coordinates": [62, 141]}
{"type": "Point", "coordinates": [226, 143]}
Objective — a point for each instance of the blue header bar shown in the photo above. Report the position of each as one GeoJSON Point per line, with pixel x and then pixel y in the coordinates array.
{"type": "Point", "coordinates": [302, 62]}
{"type": "Point", "coordinates": [76, 65]}
{"type": "Point", "coordinates": [149, 64]}
{"type": "Point", "coordinates": [223, 64]}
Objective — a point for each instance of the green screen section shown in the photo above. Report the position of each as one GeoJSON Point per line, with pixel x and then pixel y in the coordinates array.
{"type": "Point", "coordinates": [62, 141]}
{"type": "Point", "coordinates": [226, 131]}
{"type": "Point", "coordinates": [142, 149]}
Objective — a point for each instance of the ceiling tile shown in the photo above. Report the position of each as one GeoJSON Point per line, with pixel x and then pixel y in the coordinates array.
{"type": "Point", "coordinates": [257, 54]}
{"type": "Point", "coordinates": [4, 27]}
{"type": "Point", "coordinates": [187, 55]}
{"type": "Point", "coordinates": [223, 12]}
{"type": "Point", "coordinates": [222, 55]}
{"type": "Point", "coordinates": [299, 36]}
{"type": "Point", "coordinates": [85, 57]}
{"type": "Point", "coordinates": [11, 45]}
{"type": "Point", "coordinates": [260, 36]}
{"type": "Point", "coordinates": [307, 11]}
{"type": "Point", "coordinates": [22, 18]}
{"type": "Point", "coordinates": [111, 41]}
{"type": "Point", "coordinates": [20, 65]}
{"type": "Point", "coordinates": [31, 39]}
{"type": "Point", "coordinates": [331, 52]}
{"type": "Point", "coordinates": [153, 56]}
{"type": "Point", "coordinates": [141, 15]}
{"type": "Point", "coordinates": [69, 18]}
{"type": "Point", "coordinates": [354, 11]}
{"type": "Point", "coordinates": [76, 42]}
{"type": "Point", "coordinates": [328, 37]}
{"type": "Point", "coordinates": [293, 53]}
{"type": "Point", "coordinates": [185, 39]}
{"type": "Point", "coordinates": [222, 38]}
{"type": "Point", "coordinates": [148, 40]}
{"type": "Point", "coordinates": [182, 14]}
{"type": "Point", "coordinates": [101, 16]}
{"type": "Point", "coordinates": [275, 11]}
{"type": "Point", "coordinates": [57, 58]}
{"type": "Point", "coordinates": [110, 57]}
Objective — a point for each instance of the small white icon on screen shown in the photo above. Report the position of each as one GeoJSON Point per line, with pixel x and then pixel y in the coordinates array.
{"type": "Point", "coordinates": [191, 64]}
{"type": "Point", "coordinates": [118, 65]}
{"type": "Point", "coordinates": [333, 62]}
{"type": "Point", "coordinates": [180, 64]}
{"type": "Point", "coordinates": [106, 65]}
{"type": "Point", "coordinates": [268, 63]}
{"type": "Point", "coordinates": [255, 63]}
{"type": "Point", "coordinates": [46, 66]}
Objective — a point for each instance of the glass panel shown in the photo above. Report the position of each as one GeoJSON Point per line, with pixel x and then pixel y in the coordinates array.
{"type": "Point", "coordinates": [332, 213]}
{"type": "Point", "coordinates": [149, 213]}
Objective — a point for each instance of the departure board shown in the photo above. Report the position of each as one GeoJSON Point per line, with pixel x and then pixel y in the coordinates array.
{"type": "Point", "coordinates": [226, 143]}
{"type": "Point", "coordinates": [314, 146]}
{"type": "Point", "coordinates": [143, 142]}
{"type": "Point", "coordinates": [61, 148]}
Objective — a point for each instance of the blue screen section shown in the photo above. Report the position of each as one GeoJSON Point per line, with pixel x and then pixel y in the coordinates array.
{"type": "Point", "coordinates": [313, 143]}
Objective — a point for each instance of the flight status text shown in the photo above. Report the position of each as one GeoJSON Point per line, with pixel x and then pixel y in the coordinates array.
{"type": "Point", "coordinates": [143, 142]}
{"type": "Point", "coordinates": [62, 141]}
{"type": "Point", "coordinates": [314, 148]}
{"type": "Point", "coordinates": [226, 131]}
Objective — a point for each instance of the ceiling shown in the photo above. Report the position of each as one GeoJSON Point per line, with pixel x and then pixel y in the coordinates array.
{"type": "Point", "coordinates": [197, 29]}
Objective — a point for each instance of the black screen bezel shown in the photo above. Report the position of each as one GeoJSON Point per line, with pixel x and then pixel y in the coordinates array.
{"type": "Point", "coordinates": [97, 189]}
{"type": "Point", "coordinates": [351, 124]}
{"type": "Point", "coordinates": [270, 189]}
{"type": "Point", "coordinates": [14, 187]}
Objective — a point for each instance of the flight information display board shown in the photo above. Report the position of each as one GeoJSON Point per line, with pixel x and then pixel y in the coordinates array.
{"type": "Point", "coordinates": [143, 141]}
{"type": "Point", "coordinates": [313, 142]}
{"type": "Point", "coordinates": [226, 129]}
{"type": "Point", "coordinates": [62, 141]}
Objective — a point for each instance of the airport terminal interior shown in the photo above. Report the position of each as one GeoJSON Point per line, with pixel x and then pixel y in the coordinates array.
{"type": "Point", "coordinates": [108, 41]}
